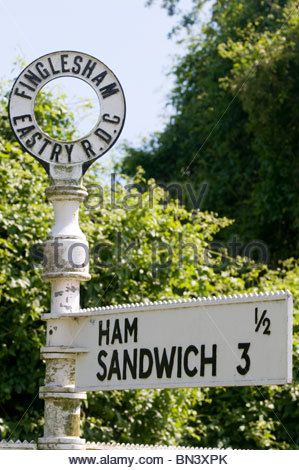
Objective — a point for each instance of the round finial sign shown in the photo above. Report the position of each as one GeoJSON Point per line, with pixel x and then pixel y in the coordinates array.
{"type": "Point", "coordinates": [67, 64]}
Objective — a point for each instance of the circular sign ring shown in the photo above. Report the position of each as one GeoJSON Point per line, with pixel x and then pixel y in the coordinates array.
{"type": "Point", "coordinates": [67, 64]}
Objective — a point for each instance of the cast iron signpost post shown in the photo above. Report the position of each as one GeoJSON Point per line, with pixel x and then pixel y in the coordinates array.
{"type": "Point", "coordinates": [234, 340]}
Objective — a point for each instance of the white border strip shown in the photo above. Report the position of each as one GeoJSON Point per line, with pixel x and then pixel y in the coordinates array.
{"type": "Point", "coordinates": [175, 303]}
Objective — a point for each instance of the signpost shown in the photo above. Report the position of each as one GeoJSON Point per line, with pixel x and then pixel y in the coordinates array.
{"type": "Point", "coordinates": [66, 250]}
{"type": "Point", "coordinates": [238, 340]}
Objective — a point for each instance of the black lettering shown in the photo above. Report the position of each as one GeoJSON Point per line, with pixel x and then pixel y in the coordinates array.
{"type": "Point", "coordinates": [208, 360]}
{"type": "Point", "coordinates": [114, 120]}
{"type": "Point", "coordinates": [32, 78]}
{"type": "Point", "coordinates": [164, 364]}
{"type": "Point", "coordinates": [22, 94]}
{"type": "Point", "coordinates": [27, 86]}
{"type": "Point", "coordinates": [267, 322]}
{"type": "Point", "coordinates": [103, 365]}
{"type": "Point", "coordinates": [64, 58]}
{"type": "Point", "coordinates": [131, 329]}
{"type": "Point", "coordinates": [89, 67]}
{"type": "Point", "coordinates": [114, 366]}
{"type": "Point", "coordinates": [264, 321]}
{"type": "Point", "coordinates": [46, 143]}
{"type": "Point", "coordinates": [44, 73]}
{"type": "Point", "coordinates": [33, 139]}
{"type": "Point", "coordinates": [88, 148]}
{"type": "Point", "coordinates": [145, 373]}
{"type": "Point", "coordinates": [128, 363]}
{"type": "Point", "coordinates": [77, 60]}
{"type": "Point", "coordinates": [179, 362]}
{"type": "Point", "coordinates": [104, 332]}
{"type": "Point", "coordinates": [245, 369]}
{"type": "Point", "coordinates": [56, 151]}
{"type": "Point", "coordinates": [99, 78]}
{"type": "Point", "coordinates": [116, 335]}
{"type": "Point", "coordinates": [22, 118]}
{"type": "Point", "coordinates": [189, 372]}
{"type": "Point", "coordinates": [103, 135]}
{"type": "Point", "coordinates": [109, 90]}
{"type": "Point", "coordinates": [69, 149]}
{"type": "Point", "coordinates": [55, 72]}
{"type": "Point", "coordinates": [25, 130]}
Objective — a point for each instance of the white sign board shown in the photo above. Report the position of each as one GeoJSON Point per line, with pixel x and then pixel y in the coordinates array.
{"type": "Point", "coordinates": [242, 340]}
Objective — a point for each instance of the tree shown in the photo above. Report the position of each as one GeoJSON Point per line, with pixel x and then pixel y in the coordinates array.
{"type": "Point", "coordinates": [235, 108]}
{"type": "Point", "coordinates": [148, 223]}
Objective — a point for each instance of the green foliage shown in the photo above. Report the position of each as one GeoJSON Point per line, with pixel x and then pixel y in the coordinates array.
{"type": "Point", "coordinates": [25, 219]}
{"type": "Point", "coordinates": [235, 109]}
{"type": "Point", "coordinates": [53, 116]}
{"type": "Point", "coordinates": [139, 416]}
{"type": "Point", "coordinates": [145, 224]}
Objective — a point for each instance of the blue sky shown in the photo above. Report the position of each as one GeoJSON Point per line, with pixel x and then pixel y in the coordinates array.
{"type": "Point", "coordinates": [130, 38]}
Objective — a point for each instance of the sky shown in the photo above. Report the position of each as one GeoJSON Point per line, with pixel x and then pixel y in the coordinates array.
{"type": "Point", "coordinates": [128, 37]}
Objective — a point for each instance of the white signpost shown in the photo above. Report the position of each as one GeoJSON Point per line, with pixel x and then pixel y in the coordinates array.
{"type": "Point", "coordinates": [66, 250]}
{"type": "Point", "coordinates": [238, 340]}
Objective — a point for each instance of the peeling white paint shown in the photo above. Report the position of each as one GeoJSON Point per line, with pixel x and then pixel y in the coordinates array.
{"type": "Point", "coordinates": [66, 266]}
